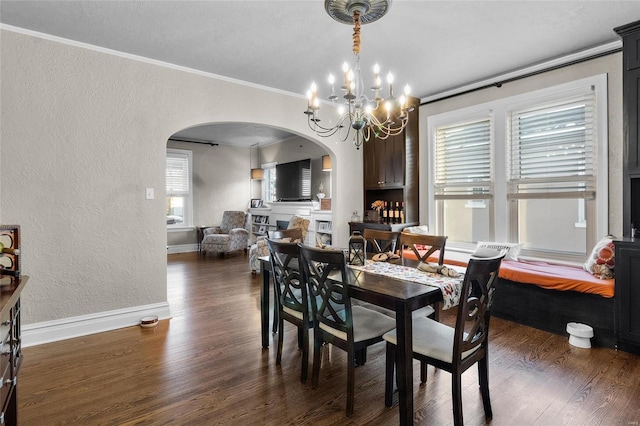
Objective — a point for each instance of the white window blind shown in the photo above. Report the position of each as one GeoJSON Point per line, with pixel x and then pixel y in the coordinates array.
{"type": "Point", "coordinates": [553, 150]}
{"type": "Point", "coordinates": [463, 167]}
{"type": "Point", "coordinates": [177, 174]}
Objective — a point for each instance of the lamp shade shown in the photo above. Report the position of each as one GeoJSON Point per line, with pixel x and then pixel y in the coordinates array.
{"type": "Point", "coordinates": [326, 163]}
{"type": "Point", "coordinates": [257, 173]}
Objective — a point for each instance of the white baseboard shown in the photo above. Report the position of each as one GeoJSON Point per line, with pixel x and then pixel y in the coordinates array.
{"type": "Point", "coordinates": [67, 328]}
{"type": "Point", "coordinates": [182, 248]}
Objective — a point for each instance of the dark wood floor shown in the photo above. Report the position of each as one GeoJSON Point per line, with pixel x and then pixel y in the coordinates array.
{"type": "Point", "coordinates": [205, 366]}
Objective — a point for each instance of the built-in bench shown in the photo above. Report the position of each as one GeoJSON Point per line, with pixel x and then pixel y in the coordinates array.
{"type": "Point", "coordinates": [548, 296]}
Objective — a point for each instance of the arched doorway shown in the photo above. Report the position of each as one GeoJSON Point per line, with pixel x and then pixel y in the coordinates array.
{"type": "Point", "coordinates": [221, 157]}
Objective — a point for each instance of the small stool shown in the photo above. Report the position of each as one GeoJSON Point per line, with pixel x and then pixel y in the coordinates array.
{"type": "Point", "coordinates": [580, 334]}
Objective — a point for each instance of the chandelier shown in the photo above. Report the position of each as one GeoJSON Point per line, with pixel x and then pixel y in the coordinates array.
{"type": "Point", "coordinates": [365, 116]}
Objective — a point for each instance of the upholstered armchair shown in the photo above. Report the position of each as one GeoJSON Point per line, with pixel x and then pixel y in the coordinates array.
{"type": "Point", "coordinates": [260, 248]}
{"type": "Point", "coordinates": [232, 234]}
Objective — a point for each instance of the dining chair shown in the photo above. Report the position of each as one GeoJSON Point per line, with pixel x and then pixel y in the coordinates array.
{"type": "Point", "coordinates": [455, 349]}
{"type": "Point", "coordinates": [380, 242]}
{"type": "Point", "coordinates": [291, 298]}
{"type": "Point", "coordinates": [335, 319]}
{"type": "Point", "coordinates": [423, 246]}
{"type": "Point", "coordinates": [293, 235]}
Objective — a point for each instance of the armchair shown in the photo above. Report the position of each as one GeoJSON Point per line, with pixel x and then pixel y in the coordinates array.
{"type": "Point", "coordinates": [231, 235]}
{"type": "Point", "coordinates": [260, 248]}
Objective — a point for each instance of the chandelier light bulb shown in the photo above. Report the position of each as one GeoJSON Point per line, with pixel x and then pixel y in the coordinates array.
{"type": "Point", "coordinates": [376, 69]}
{"type": "Point", "coordinates": [407, 90]}
{"type": "Point", "coordinates": [341, 109]}
{"type": "Point", "coordinates": [331, 79]}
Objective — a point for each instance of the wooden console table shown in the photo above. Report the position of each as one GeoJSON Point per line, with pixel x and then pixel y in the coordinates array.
{"type": "Point", "coordinates": [11, 351]}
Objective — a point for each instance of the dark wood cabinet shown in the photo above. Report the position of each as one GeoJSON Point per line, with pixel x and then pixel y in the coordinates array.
{"type": "Point", "coordinates": [384, 162]}
{"type": "Point", "coordinates": [627, 297]}
{"type": "Point", "coordinates": [390, 169]}
{"type": "Point", "coordinates": [630, 35]}
{"type": "Point", "coordinates": [11, 351]}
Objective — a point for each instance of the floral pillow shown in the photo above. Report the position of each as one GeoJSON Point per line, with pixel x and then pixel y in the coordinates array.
{"type": "Point", "coordinates": [602, 259]}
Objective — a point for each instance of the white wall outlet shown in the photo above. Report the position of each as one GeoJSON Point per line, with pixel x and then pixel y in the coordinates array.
{"type": "Point", "coordinates": [149, 195]}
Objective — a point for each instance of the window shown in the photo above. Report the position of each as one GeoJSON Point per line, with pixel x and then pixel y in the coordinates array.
{"type": "Point", "coordinates": [464, 180]}
{"type": "Point", "coordinates": [269, 182]}
{"type": "Point", "coordinates": [551, 163]}
{"type": "Point", "coordinates": [530, 169]}
{"type": "Point", "coordinates": [179, 188]}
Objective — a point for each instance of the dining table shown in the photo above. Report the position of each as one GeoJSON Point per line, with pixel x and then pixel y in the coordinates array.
{"type": "Point", "coordinates": [401, 293]}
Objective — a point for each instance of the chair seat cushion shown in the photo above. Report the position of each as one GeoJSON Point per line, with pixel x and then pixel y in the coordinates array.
{"type": "Point", "coordinates": [216, 239]}
{"type": "Point", "coordinates": [430, 338]}
{"type": "Point", "coordinates": [293, 312]}
{"type": "Point", "coordinates": [367, 324]}
{"type": "Point", "coordinates": [422, 312]}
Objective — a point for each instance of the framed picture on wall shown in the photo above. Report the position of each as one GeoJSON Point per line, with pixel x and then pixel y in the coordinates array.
{"type": "Point", "coordinates": [256, 202]}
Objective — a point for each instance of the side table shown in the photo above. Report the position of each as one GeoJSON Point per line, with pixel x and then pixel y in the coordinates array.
{"type": "Point", "coordinates": [200, 236]}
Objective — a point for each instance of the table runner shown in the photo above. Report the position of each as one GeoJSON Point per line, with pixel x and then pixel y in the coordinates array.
{"type": "Point", "coordinates": [450, 287]}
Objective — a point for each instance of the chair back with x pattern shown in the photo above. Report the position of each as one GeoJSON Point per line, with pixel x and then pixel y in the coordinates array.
{"type": "Point", "coordinates": [292, 302]}
{"type": "Point", "coordinates": [423, 245]}
{"type": "Point", "coordinates": [290, 288]}
{"type": "Point", "coordinates": [380, 241]}
{"type": "Point", "coordinates": [474, 310]}
{"type": "Point", "coordinates": [329, 298]}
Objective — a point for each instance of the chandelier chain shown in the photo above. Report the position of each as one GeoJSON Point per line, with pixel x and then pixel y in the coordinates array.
{"type": "Point", "coordinates": [356, 32]}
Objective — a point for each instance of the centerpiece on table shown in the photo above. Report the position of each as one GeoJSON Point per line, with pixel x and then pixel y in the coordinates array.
{"type": "Point", "coordinates": [378, 205]}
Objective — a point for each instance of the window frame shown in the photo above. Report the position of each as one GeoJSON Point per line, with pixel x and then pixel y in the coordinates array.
{"type": "Point", "coordinates": [596, 211]}
{"type": "Point", "coordinates": [188, 197]}
{"type": "Point", "coordinates": [269, 174]}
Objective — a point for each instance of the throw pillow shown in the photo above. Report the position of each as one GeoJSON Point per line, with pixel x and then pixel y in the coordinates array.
{"type": "Point", "coordinates": [485, 253]}
{"type": "Point", "coordinates": [601, 261]}
{"type": "Point", "coordinates": [421, 229]}
{"type": "Point", "coordinates": [300, 223]}
{"type": "Point", "coordinates": [513, 249]}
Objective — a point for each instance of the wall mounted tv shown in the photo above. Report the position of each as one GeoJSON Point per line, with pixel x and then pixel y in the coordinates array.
{"type": "Point", "coordinates": [293, 181]}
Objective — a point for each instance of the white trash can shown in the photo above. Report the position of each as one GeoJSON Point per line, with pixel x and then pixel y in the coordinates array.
{"type": "Point", "coordinates": [580, 334]}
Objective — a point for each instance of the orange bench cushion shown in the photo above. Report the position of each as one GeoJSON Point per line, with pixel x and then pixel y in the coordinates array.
{"type": "Point", "coordinates": [546, 275]}
{"type": "Point", "coordinates": [556, 277]}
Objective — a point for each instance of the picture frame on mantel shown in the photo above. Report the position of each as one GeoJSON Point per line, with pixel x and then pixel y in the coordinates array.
{"type": "Point", "coordinates": [325, 204]}
{"type": "Point", "coordinates": [256, 203]}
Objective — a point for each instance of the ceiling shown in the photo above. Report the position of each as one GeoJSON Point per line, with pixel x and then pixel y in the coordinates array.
{"type": "Point", "coordinates": [435, 46]}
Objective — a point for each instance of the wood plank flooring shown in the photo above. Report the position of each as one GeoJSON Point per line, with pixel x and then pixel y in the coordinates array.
{"type": "Point", "coordinates": [205, 366]}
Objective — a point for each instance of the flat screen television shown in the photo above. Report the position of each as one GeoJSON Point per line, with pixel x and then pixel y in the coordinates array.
{"type": "Point", "coordinates": [293, 181]}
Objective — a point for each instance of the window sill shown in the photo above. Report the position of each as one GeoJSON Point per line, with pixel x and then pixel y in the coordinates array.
{"type": "Point", "coordinates": [180, 228]}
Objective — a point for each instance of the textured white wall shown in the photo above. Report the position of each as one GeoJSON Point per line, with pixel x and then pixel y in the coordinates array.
{"type": "Point", "coordinates": [83, 134]}
{"type": "Point", "coordinates": [610, 65]}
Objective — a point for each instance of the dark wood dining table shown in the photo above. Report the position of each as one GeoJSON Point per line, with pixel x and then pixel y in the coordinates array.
{"type": "Point", "coordinates": [399, 295]}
